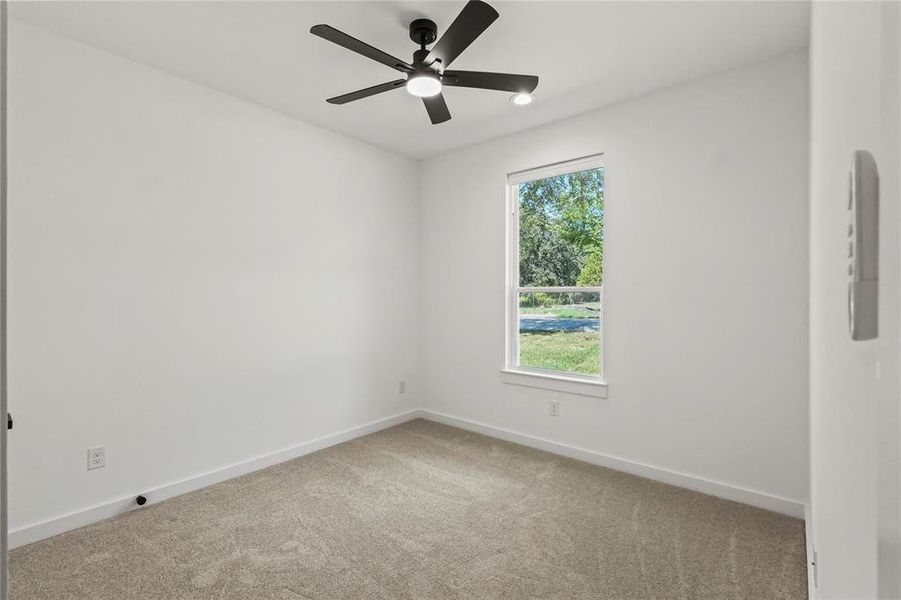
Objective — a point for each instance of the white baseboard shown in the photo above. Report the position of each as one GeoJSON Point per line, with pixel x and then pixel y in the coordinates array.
{"type": "Point", "coordinates": [786, 506]}
{"type": "Point", "coordinates": [38, 531]}
{"type": "Point", "coordinates": [811, 555]}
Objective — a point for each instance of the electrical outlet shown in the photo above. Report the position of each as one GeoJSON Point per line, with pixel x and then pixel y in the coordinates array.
{"type": "Point", "coordinates": [96, 458]}
{"type": "Point", "coordinates": [555, 409]}
{"type": "Point", "coordinates": [401, 387]}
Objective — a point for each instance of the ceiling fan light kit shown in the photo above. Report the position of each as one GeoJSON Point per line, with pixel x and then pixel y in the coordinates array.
{"type": "Point", "coordinates": [423, 85]}
{"type": "Point", "coordinates": [427, 74]}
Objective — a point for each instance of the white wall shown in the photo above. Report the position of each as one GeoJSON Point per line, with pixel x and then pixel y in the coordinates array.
{"type": "Point", "coordinates": [194, 280]}
{"type": "Point", "coordinates": [705, 276]}
{"type": "Point", "coordinates": [854, 389]}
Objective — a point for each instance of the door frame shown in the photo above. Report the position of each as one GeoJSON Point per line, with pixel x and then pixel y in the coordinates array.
{"type": "Point", "coordinates": [4, 543]}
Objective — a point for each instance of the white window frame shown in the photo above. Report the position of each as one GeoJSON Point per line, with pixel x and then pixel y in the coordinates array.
{"type": "Point", "coordinates": [561, 381]}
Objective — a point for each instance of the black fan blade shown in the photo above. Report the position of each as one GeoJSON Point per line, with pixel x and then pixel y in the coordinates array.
{"type": "Point", "coordinates": [474, 19]}
{"type": "Point", "coordinates": [342, 39]}
{"type": "Point", "coordinates": [366, 92]}
{"type": "Point", "coordinates": [437, 108]}
{"type": "Point", "coordinates": [504, 82]}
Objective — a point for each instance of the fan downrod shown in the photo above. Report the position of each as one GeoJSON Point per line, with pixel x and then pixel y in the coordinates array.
{"type": "Point", "coordinates": [423, 32]}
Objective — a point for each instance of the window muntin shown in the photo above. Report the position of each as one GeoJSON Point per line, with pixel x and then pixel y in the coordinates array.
{"type": "Point", "coordinates": [556, 269]}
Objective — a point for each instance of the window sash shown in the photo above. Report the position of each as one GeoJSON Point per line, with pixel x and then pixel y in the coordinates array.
{"type": "Point", "coordinates": [513, 287]}
{"type": "Point", "coordinates": [515, 311]}
{"type": "Point", "coordinates": [561, 290]}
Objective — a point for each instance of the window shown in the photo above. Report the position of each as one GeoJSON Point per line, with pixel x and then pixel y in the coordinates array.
{"type": "Point", "coordinates": [556, 271]}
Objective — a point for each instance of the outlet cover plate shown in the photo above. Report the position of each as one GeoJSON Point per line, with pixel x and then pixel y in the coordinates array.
{"type": "Point", "coordinates": [96, 458]}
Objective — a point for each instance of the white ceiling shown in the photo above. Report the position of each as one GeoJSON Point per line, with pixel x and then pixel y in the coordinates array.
{"type": "Point", "coordinates": [587, 54]}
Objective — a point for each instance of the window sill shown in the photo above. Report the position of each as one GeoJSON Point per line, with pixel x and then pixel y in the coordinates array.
{"type": "Point", "coordinates": [557, 383]}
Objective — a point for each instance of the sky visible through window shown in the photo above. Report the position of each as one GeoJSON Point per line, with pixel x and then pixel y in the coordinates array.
{"type": "Point", "coordinates": [561, 244]}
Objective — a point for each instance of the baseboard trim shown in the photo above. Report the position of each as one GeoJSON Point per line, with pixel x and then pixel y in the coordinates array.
{"type": "Point", "coordinates": [45, 529]}
{"type": "Point", "coordinates": [811, 554]}
{"type": "Point", "coordinates": [786, 506]}
{"type": "Point", "coordinates": [80, 518]}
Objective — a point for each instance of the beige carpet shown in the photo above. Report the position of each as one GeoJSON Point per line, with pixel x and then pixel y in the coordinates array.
{"type": "Point", "coordinates": [425, 511]}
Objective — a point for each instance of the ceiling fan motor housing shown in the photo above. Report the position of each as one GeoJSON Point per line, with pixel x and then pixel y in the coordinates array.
{"type": "Point", "coordinates": [423, 31]}
{"type": "Point", "coordinates": [419, 60]}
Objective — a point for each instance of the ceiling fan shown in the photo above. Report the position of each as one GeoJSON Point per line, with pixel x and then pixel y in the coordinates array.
{"type": "Point", "coordinates": [427, 73]}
